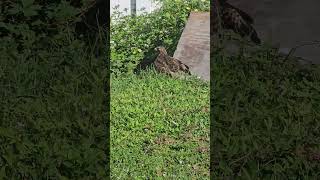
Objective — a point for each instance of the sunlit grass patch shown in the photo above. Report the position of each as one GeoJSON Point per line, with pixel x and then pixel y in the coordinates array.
{"type": "Point", "coordinates": [159, 127]}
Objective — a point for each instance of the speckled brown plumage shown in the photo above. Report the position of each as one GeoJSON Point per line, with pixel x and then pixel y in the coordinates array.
{"type": "Point", "coordinates": [169, 65]}
{"type": "Point", "coordinates": [237, 20]}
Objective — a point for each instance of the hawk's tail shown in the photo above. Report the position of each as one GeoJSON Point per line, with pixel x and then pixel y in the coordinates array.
{"type": "Point", "coordinates": [184, 68]}
{"type": "Point", "coordinates": [254, 37]}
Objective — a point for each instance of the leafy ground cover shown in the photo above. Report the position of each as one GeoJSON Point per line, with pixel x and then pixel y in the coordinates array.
{"type": "Point", "coordinates": [159, 127]}
{"type": "Point", "coordinates": [266, 117]}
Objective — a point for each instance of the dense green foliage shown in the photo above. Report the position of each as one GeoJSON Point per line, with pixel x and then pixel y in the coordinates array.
{"type": "Point", "coordinates": [266, 117]}
{"type": "Point", "coordinates": [52, 118]}
{"type": "Point", "coordinates": [134, 38]}
{"type": "Point", "coordinates": [159, 127]}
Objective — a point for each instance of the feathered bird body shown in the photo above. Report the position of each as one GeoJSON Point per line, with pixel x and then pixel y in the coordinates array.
{"type": "Point", "coordinates": [169, 65]}
{"type": "Point", "coordinates": [237, 20]}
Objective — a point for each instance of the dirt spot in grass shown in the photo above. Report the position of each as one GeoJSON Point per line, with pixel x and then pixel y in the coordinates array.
{"type": "Point", "coordinates": [165, 140]}
{"type": "Point", "coordinates": [147, 128]}
{"type": "Point", "coordinates": [205, 109]}
{"type": "Point", "coordinates": [159, 172]}
{"type": "Point", "coordinates": [307, 152]}
{"type": "Point", "coordinates": [203, 139]}
{"type": "Point", "coordinates": [195, 167]}
{"type": "Point", "coordinates": [315, 156]}
{"type": "Point", "coordinates": [203, 149]}
{"type": "Point", "coordinates": [200, 170]}
{"type": "Point", "coordinates": [204, 145]}
{"type": "Point", "coordinates": [313, 153]}
{"type": "Point", "coordinates": [188, 135]}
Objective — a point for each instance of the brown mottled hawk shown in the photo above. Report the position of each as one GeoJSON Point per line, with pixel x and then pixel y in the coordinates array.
{"type": "Point", "coordinates": [169, 65]}
{"type": "Point", "coordinates": [237, 20]}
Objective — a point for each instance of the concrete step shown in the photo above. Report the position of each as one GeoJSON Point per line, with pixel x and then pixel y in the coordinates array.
{"type": "Point", "coordinates": [194, 45]}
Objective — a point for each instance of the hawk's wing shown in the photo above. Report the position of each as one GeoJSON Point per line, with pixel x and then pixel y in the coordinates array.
{"type": "Point", "coordinates": [166, 64]}
{"type": "Point", "coordinates": [244, 15]}
{"type": "Point", "coordinates": [239, 21]}
{"type": "Point", "coordinates": [161, 63]}
{"type": "Point", "coordinates": [180, 66]}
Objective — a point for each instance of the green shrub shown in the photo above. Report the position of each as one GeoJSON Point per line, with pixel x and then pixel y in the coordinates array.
{"type": "Point", "coordinates": [133, 38]}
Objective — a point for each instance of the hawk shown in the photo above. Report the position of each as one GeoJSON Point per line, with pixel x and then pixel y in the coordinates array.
{"type": "Point", "coordinates": [169, 65]}
{"type": "Point", "coordinates": [237, 20]}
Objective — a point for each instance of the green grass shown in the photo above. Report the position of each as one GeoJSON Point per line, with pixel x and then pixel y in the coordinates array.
{"type": "Point", "coordinates": [266, 117]}
{"type": "Point", "coordinates": [159, 127]}
{"type": "Point", "coordinates": [52, 114]}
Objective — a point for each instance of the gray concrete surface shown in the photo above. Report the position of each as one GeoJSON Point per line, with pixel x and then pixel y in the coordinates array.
{"type": "Point", "coordinates": [286, 23]}
{"type": "Point", "coordinates": [194, 45]}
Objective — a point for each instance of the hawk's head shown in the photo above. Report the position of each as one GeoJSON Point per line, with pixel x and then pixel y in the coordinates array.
{"type": "Point", "coordinates": [161, 49]}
